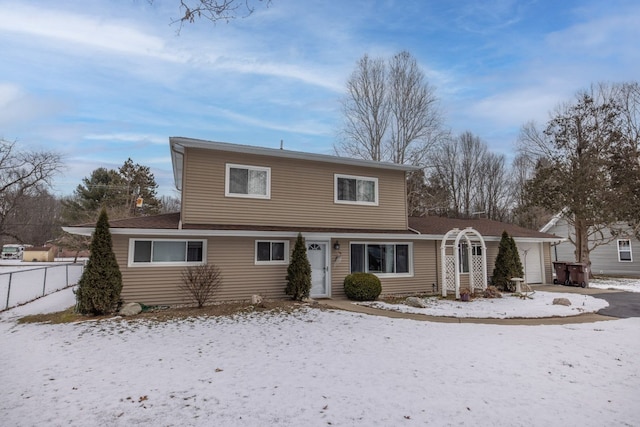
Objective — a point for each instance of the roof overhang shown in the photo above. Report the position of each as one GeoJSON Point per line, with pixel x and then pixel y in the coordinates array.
{"type": "Point", "coordinates": [178, 144]}
{"type": "Point", "coordinates": [324, 235]}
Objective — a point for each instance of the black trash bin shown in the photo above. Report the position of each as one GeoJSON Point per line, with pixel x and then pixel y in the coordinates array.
{"type": "Point", "coordinates": [578, 274]}
{"type": "Point", "coordinates": [562, 273]}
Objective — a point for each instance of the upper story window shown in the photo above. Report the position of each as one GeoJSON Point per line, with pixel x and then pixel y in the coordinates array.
{"type": "Point", "coordinates": [272, 252]}
{"type": "Point", "coordinates": [624, 250]}
{"type": "Point", "coordinates": [382, 259]}
{"type": "Point", "coordinates": [166, 252]}
{"type": "Point", "coordinates": [356, 189]}
{"type": "Point", "coordinates": [248, 181]}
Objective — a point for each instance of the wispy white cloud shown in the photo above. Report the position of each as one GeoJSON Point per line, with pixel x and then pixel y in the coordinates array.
{"type": "Point", "coordinates": [78, 29]}
{"type": "Point", "coordinates": [306, 127]}
{"type": "Point", "coordinates": [304, 73]}
{"type": "Point", "coordinates": [617, 33]}
{"type": "Point", "coordinates": [488, 16]}
{"type": "Point", "coordinates": [18, 107]}
{"type": "Point", "coordinates": [128, 137]}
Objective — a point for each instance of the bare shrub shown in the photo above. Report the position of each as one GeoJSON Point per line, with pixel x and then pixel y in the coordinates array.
{"type": "Point", "coordinates": [201, 282]}
{"type": "Point", "coordinates": [491, 292]}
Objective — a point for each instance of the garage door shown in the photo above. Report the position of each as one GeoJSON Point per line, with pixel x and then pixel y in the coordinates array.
{"type": "Point", "coordinates": [530, 252]}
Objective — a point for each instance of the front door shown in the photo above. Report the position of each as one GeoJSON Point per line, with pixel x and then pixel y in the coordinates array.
{"type": "Point", "coordinates": [317, 255]}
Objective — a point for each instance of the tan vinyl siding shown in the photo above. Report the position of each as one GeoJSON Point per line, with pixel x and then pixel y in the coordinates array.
{"type": "Point", "coordinates": [241, 278]}
{"type": "Point", "coordinates": [424, 271]}
{"type": "Point", "coordinates": [302, 194]}
{"type": "Point", "coordinates": [548, 265]}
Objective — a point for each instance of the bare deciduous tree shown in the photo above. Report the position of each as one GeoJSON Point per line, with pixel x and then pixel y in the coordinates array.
{"type": "Point", "coordinates": [36, 218]}
{"type": "Point", "coordinates": [23, 175]}
{"type": "Point", "coordinates": [475, 180]}
{"type": "Point", "coordinates": [493, 188]}
{"type": "Point", "coordinates": [169, 204]}
{"type": "Point", "coordinates": [524, 213]}
{"type": "Point", "coordinates": [214, 10]}
{"type": "Point", "coordinates": [416, 122]}
{"type": "Point", "coordinates": [366, 111]}
{"type": "Point", "coordinates": [579, 157]}
{"type": "Point", "coordinates": [390, 112]}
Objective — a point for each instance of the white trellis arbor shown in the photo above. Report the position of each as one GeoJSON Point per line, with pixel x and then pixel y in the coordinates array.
{"type": "Point", "coordinates": [450, 258]}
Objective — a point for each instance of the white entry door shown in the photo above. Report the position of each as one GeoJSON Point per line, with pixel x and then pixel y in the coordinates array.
{"type": "Point", "coordinates": [317, 255]}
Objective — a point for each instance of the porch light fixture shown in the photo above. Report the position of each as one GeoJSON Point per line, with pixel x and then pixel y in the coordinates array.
{"type": "Point", "coordinates": [336, 245]}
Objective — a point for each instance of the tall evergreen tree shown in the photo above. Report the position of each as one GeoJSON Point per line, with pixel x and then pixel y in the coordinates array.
{"type": "Point", "coordinates": [101, 282]}
{"type": "Point", "coordinates": [117, 191]}
{"type": "Point", "coordinates": [299, 272]}
{"type": "Point", "coordinates": [507, 265]}
{"type": "Point", "coordinates": [518, 269]}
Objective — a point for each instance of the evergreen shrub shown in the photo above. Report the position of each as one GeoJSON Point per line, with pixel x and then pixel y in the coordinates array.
{"type": "Point", "coordinates": [507, 264]}
{"type": "Point", "coordinates": [362, 286]}
{"type": "Point", "coordinates": [101, 282]}
{"type": "Point", "coordinates": [299, 272]}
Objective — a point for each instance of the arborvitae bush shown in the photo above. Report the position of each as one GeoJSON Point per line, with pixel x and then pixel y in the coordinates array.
{"type": "Point", "coordinates": [299, 272]}
{"type": "Point", "coordinates": [507, 265]}
{"type": "Point", "coordinates": [519, 271]}
{"type": "Point", "coordinates": [101, 282]}
{"type": "Point", "coordinates": [362, 286]}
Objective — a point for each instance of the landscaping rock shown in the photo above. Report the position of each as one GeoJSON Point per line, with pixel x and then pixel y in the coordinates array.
{"type": "Point", "coordinates": [415, 302]}
{"type": "Point", "coordinates": [130, 309]}
{"type": "Point", "coordinates": [561, 301]}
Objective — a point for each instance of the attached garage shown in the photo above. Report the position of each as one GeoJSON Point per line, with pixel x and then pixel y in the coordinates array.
{"type": "Point", "coordinates": [532, 261]}
{"type": "Point", "coordinates": [533, 246]}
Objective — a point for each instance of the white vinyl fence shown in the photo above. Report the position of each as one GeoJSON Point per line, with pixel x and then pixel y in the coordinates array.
{"type": "Point", "coordinates": [21, 286]}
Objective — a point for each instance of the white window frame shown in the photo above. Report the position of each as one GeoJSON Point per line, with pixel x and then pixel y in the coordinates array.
{"type": "Point", "coordinates": [227, 182]}
{"type": "Point", "coordinates": [625, 250]}
{"type": "Point", "coordinates": [284, 261]}
{"type": "Point", "coordinates": [132, 243]}
{"type": "Point", "coordinates": [337, 176]}
{"type": "Point", "coordinates": [385, 275]}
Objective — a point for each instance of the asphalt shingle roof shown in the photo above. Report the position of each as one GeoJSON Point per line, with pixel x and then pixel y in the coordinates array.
{"type": "Point", "coordinates": [432, 225]}
{"type": "Point", "coordinates": [441, 225]}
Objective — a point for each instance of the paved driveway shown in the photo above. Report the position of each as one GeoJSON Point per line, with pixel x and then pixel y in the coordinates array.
{"type": "Point", "coordinates": [621, 304]}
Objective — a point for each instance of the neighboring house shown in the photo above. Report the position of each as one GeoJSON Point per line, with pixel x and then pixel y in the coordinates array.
{"type": "Point", "coordinates": [619, 257]}
{"type": "Point", "coordinates": [243, 206]}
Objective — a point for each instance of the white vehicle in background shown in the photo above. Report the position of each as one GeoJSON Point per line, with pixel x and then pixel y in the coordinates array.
{"type": "Point", "coordinates": [13, 251]}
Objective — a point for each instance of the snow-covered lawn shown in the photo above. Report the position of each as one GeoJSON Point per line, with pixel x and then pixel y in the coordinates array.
{"type": "Point", "coordinates": [315, 368]}
{"type": "Point", "coordinates": [619, 284]}
{"type": "Point", "coordinates": [539, 304]}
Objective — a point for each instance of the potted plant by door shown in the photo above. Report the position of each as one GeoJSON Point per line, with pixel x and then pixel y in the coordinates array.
{"type": "Point", "coordinates": [465, 294]}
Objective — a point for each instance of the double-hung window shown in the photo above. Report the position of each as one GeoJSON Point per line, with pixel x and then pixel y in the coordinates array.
{"type": "Point", "coordinates": [356, 189]}
{"type": "Point", "coordinates": [382, 258]}
{"type": "Point", "coordinates": [166, 252]}
{"type": "Point", "coordinates": [272, 252]}
{"type": "Point", "coordinates": [624, 250]}
{"type": "Point", "coordinates": [248, 181]}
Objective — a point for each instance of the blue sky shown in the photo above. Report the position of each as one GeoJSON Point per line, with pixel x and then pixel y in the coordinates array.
{"type": "Point", "coordinates": [101, 81]}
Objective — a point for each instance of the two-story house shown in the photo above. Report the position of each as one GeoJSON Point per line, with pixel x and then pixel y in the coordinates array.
{"type": "Point", "coordinates": [243, 206]}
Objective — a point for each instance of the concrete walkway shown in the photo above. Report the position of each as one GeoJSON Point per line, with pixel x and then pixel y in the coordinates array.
{"type": "Point", "coordinates": [347, 305]}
